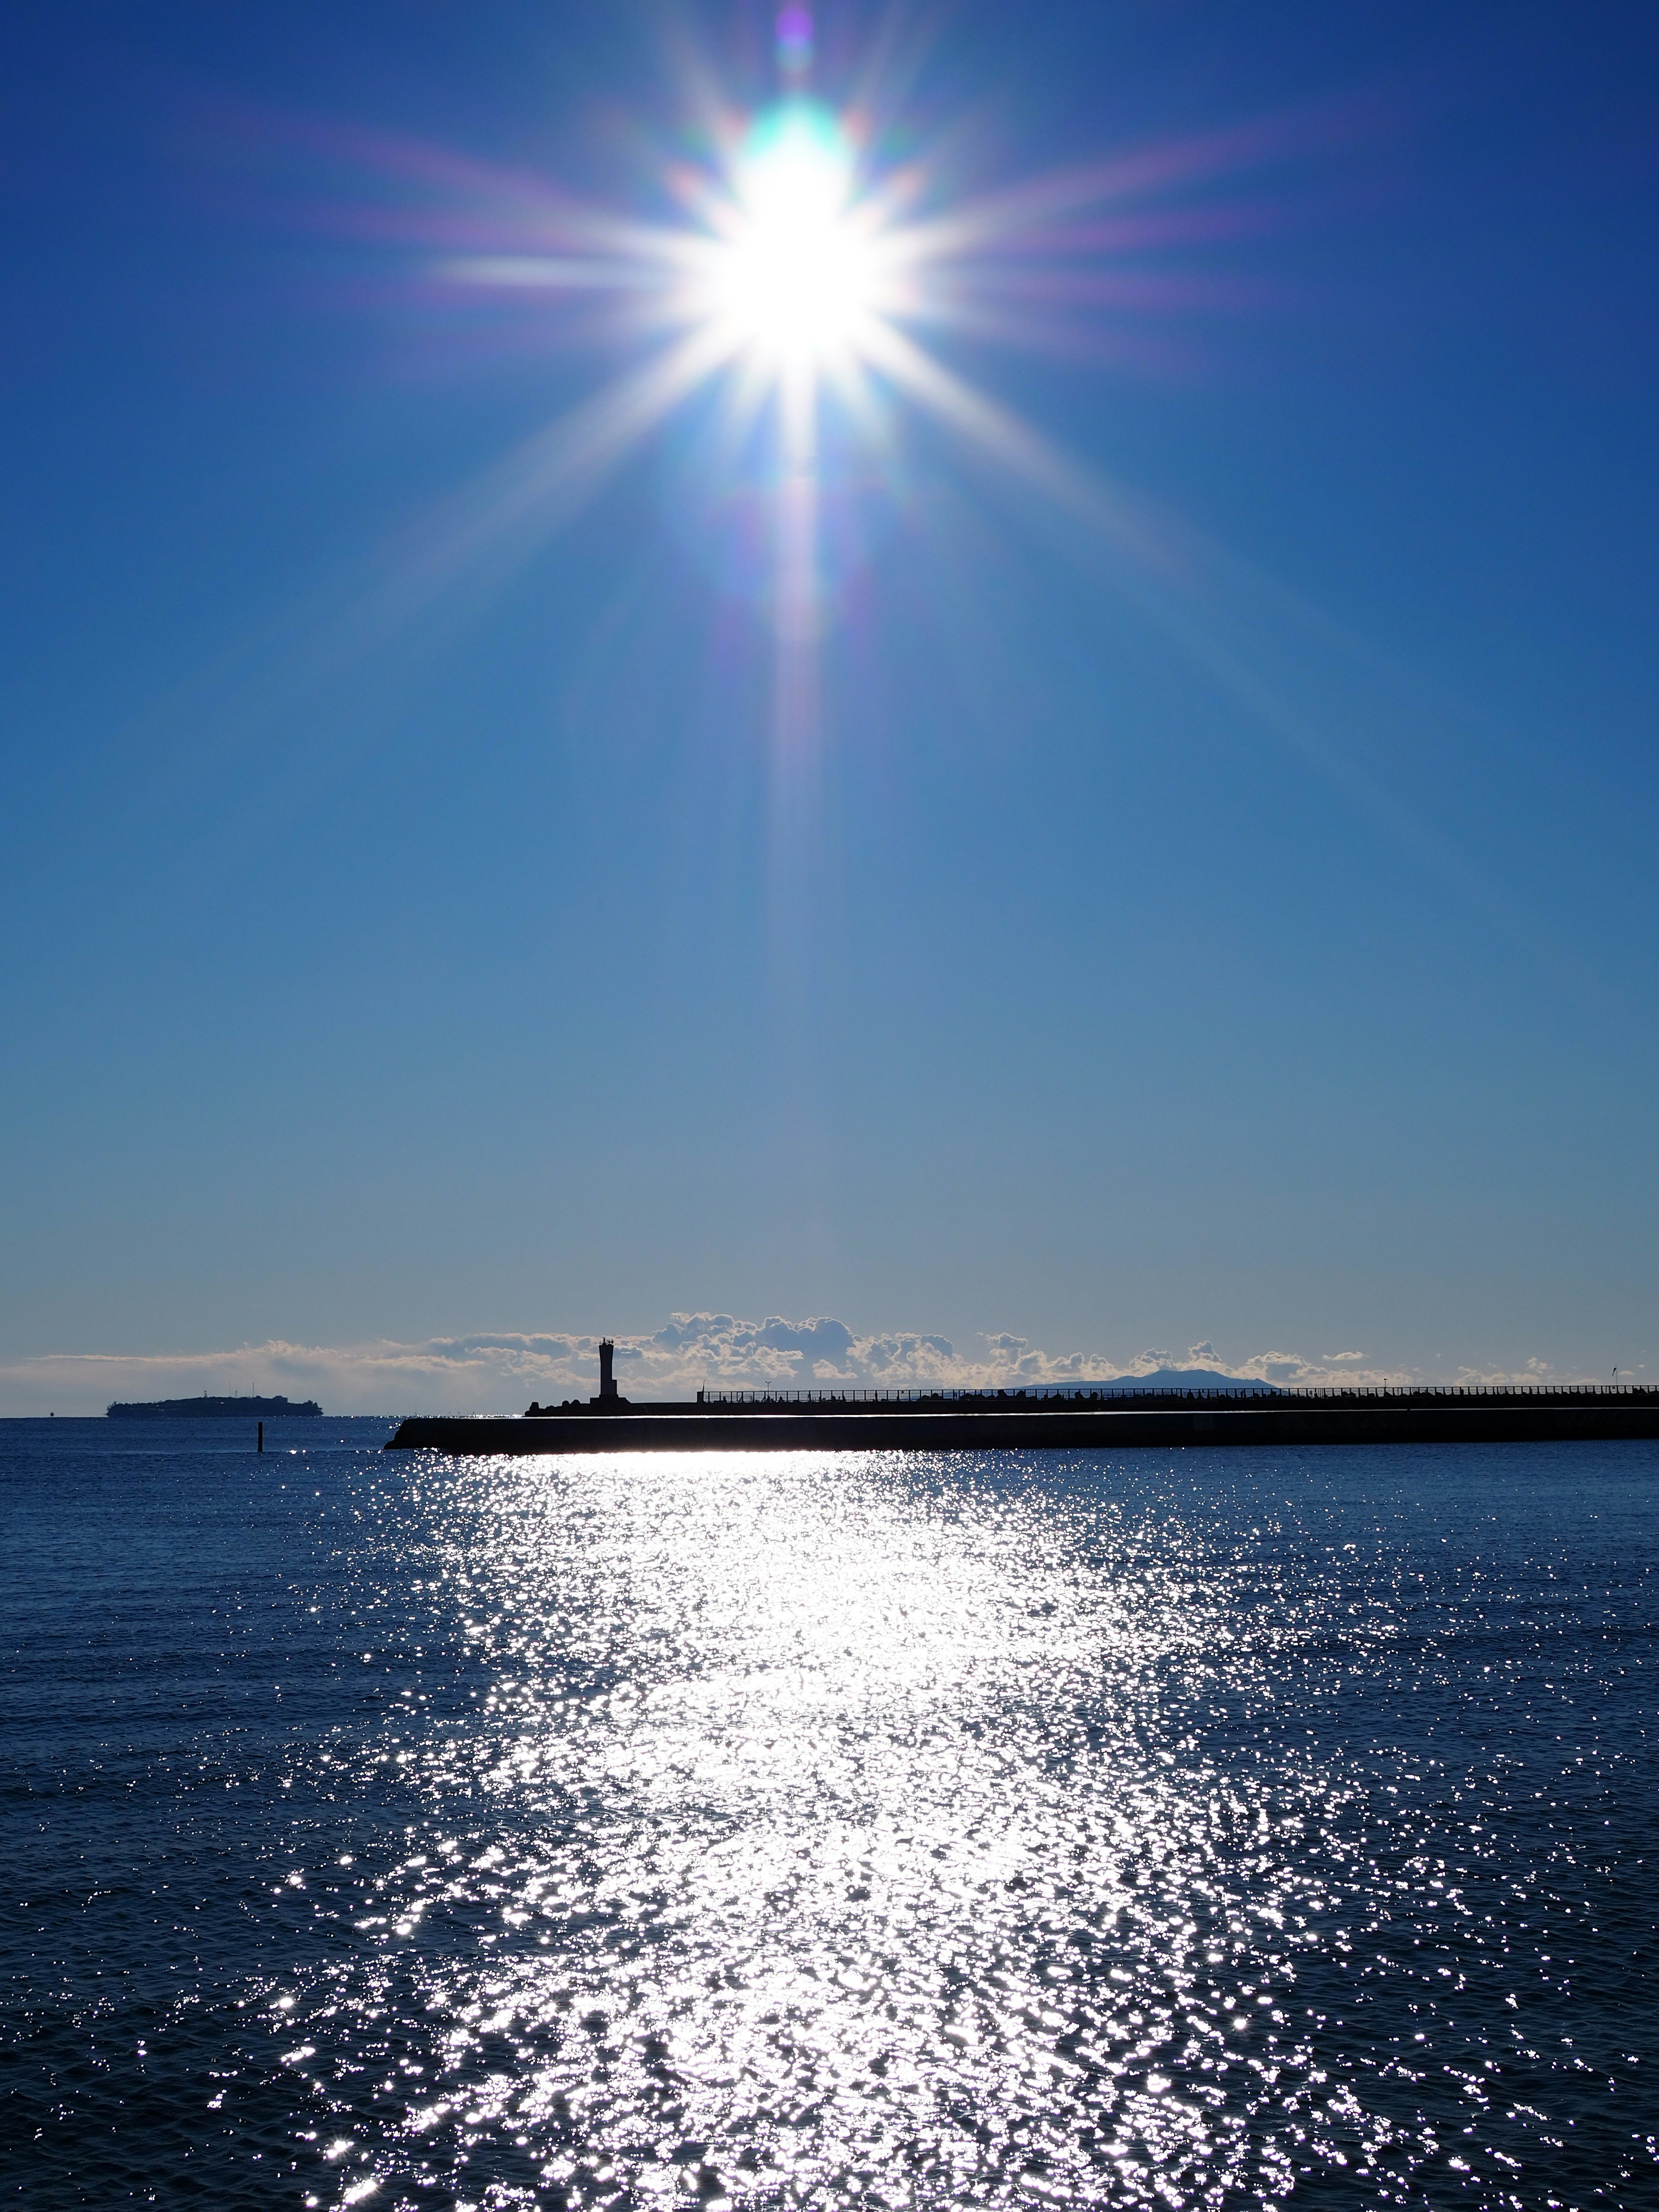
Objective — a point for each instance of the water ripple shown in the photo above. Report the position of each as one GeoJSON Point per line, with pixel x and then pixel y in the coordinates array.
{"type": "Point", "coordinates": [814, 1830]}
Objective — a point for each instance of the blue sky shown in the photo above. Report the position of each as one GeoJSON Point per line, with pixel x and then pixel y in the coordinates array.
{"type": "Point", "coordinates": [1244, 940]}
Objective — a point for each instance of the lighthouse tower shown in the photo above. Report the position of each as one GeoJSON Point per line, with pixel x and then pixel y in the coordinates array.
{"type": "Point", "coordinates": [607, 1373]}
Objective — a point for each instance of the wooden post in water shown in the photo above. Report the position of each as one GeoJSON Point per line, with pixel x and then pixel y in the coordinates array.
{"type": "Point", "coordinates": [262, 1436]}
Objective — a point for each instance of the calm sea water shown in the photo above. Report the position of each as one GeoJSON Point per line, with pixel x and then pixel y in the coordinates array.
{"type": "Point", "coordinates": [1185, 1829]}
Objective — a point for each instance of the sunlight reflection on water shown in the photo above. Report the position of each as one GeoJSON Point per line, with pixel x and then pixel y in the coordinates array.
{"type": "Point", "coordinates": [830, 1830]}
{"type": "Point", "coordinates": [412, 1832]}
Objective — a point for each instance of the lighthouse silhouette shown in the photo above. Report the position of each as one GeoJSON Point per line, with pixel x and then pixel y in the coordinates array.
{"type": "Point", "coordinates": [607, 1374]}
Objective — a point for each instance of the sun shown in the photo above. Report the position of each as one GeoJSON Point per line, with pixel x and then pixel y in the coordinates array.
{"type": "Point", "coordinates": [795, 277]}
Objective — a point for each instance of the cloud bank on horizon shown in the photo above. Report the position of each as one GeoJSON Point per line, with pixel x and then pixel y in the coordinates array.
{"type": "Point", "coordinates": [502, 1371]}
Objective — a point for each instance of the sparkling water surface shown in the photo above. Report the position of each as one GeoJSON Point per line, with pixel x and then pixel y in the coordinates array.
{"type": "Point", "coordinates": [1191, 1828]}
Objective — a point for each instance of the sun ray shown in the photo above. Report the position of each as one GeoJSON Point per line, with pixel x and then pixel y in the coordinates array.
{"type": "Point", "coordinates": [1243, 628]}
{"type": "Point", "coordinates": [542, 483]}
{"type": "Point", "coordinates": [1005, 437]}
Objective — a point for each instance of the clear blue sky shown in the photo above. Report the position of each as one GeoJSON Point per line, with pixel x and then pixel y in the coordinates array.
{"type": "Point", "coordinates": [1254, 945]}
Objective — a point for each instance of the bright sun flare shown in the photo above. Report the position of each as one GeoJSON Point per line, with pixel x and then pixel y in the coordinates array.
{"type": "Point", "coordinates": [796, 277]}
{"type": "Point", "coordinates": [801, 280]}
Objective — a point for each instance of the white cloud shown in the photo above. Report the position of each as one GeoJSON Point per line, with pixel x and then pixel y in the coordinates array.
{"type": "Point", "coordinates": [1280, 1367]}
{"type": "Point", "coordinates": [501, 1371]}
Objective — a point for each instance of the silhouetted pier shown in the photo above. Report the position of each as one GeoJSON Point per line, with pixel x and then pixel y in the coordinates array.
{"type": "Point", "coordinates": [1069, 1419]}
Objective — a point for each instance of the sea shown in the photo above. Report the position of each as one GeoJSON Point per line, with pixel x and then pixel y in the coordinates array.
{"type": "Point", "coordinates": [1160, 1828]}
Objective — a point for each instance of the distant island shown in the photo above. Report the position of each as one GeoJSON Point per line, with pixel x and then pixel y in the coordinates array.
{"type": "Point", "coordinates": [173, 1409]}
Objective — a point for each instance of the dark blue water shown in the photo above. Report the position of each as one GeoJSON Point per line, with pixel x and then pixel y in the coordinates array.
{"type": "Point", "coordinates": [1186, 1829]}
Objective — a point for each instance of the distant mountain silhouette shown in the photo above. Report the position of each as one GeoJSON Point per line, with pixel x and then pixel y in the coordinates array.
{"type": "Point", "coordinates": [1181, 1378]}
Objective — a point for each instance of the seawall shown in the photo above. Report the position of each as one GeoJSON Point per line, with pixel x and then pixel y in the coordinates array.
{"type": "Point", "coordinates": [1275, 1423]}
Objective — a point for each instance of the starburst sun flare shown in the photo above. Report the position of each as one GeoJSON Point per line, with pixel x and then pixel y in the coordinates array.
{"type": "Point", "coordinates": [807, 271]}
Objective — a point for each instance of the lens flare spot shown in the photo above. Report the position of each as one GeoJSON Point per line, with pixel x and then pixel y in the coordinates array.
{"type": "Point", "coordinates": [794, 41]}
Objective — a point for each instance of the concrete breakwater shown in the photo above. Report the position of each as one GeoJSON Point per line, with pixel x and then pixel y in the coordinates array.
{"type": "Point", "coordinates": [1407, 1417]}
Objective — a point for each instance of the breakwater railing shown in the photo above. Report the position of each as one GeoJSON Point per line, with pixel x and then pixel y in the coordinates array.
{"type": "Point", "coordinates": [1041, 1397]}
